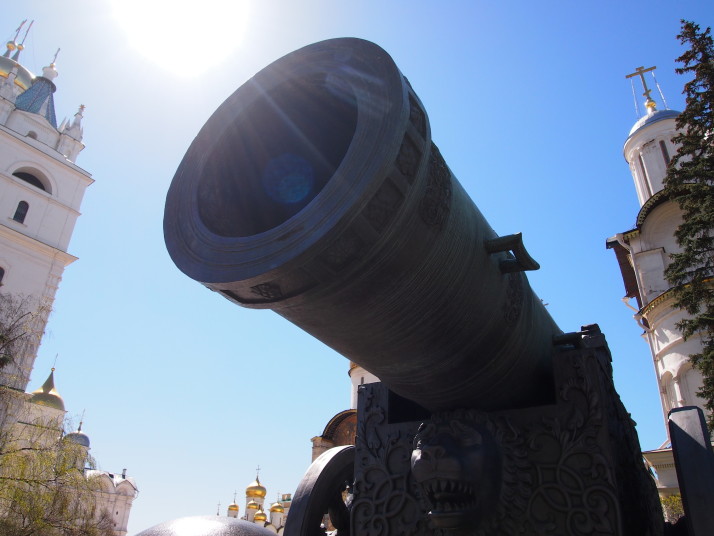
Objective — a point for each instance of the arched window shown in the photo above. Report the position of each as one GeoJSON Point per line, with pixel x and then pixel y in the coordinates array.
{"type": "Point", "coordinates": [2, 274]}
{"type": "Point", "coordinates": [21, 212]}
{"type": "Point", "coordinates": [669, 393]}
{"type": "Point", "coordinates": [32, 134]}
{"type": "Point", "coordinates": [30, 179]}
{"type": "Point", "coordinates": [665, 152]}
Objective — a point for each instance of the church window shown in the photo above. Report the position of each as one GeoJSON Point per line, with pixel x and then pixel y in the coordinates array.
{"type": "Point", "coordinates": [2, 275]}
{"type": "Point", "coordinates": [669, 393]}
{"type": "Point", "coordinates": [644, 175]}
{"type": "Point", "coordinates": [21, 212]}
{"type": "Point", "coordinates": [30, 179]}
{"type": "Point", "coordinates": [665, 153]}
{"type": "Point", "coordinates": [32, 134]}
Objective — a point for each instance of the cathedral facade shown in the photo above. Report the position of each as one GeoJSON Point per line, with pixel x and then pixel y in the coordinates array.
{"type": "Point", "coordinates": [41, 191]}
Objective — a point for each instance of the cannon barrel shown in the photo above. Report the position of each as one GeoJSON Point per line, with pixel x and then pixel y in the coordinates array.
{"type": "Point", "coordinates": [315, 190]}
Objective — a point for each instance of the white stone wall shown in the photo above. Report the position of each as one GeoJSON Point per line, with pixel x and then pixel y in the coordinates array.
{"type": "Point", "coordinates": [644, 143]}
{"type": "Point", "coordinates": [115, 497]}
{"type": "Point", "coordinates": [33, 253]}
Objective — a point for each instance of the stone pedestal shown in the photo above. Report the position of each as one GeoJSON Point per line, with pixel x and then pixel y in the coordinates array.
{"type": "Point", "coordinates": [572, 466]}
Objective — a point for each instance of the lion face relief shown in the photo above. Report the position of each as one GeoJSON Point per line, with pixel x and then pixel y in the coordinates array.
{"type": "Point", "coordinates": [457, 464]}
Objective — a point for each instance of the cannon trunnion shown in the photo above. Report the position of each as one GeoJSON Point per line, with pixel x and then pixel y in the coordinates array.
{"type": "Point", "coordinates": [315, 190]}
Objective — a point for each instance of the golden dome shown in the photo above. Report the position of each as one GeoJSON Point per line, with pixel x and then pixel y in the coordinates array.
{"type": "Point", "coordinates": [255, 489]}
{"type": "Point", "coordinates": [233, 507]}
{"type": "Point", "coordinates": [260, 516]}
{"type": "Point", "coordinates": [252, 505]}
{"type": "Point", "coordinates": [277, 507]}
{"type": "Point", "coordinates": [47, 395]}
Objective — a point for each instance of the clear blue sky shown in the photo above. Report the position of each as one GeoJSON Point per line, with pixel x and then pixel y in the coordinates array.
{"type": "Point", "coordinates": [530, 107]}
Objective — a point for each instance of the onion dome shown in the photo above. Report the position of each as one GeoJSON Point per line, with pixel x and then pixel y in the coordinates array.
{"type": "Point", "coordinates": [78, 437]}
{"type": "Point", "coordinates": [23, 77]}
{"type": "Point", "coordinates": [652, 117]}
{"type": "Point", "coordinates": [47, 395]}
{"type": "Point", "coordinates": [277, 507]}
{"type": "Point", "coordinates": [252, 505]}
{"type": "Point", "coordinates": [233, 507]}
{"type": "Point", "coordinates": [260, 516]}
{"type": "Point", "coordinates": [255, 489]}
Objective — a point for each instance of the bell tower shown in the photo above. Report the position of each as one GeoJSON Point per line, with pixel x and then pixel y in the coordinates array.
{"type": "Point", "coordinates": [41, 190]}
{"type": "Point", "coordinates": [643, 255]}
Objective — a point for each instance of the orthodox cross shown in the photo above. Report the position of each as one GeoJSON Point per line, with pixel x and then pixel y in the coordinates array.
{"type": "Point", "coordinates": [26, 32]}
{"type": "Point", "coordinates": [641, 72]}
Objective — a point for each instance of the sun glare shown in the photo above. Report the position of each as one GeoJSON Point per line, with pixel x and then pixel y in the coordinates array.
{"type": "Point", "coordinates": [186, 37]}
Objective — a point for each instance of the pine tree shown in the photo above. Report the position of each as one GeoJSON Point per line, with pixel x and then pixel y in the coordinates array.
{"type": "Point", "coordinates": [690, 181]}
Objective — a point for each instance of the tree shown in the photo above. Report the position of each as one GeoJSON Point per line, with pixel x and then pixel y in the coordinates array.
{"type": "Point", "coordinates": [43, 487]}
{"type": "Point", "coordinates": [44, 490]}
{"type": "Point", "coordinates": [672, 507]}
{"type": "Point", "coordinates": [690, 181]}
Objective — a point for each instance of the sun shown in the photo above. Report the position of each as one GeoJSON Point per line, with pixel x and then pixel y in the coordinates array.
{"type": "Point", "coordinates": [185, 37]}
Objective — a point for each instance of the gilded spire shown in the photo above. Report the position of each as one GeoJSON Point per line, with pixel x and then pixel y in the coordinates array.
{"type": "Point", "coordinates": [12, 44]}
{"type": "Point", "coordinates": [21, 44]}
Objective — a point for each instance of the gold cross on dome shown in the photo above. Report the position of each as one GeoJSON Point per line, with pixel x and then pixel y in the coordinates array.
{"type": "Point", "coordinates": [640, 71]}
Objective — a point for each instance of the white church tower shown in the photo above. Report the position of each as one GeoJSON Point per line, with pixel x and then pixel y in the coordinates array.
{"type": "Point", "coordinates": [643, 253]}
{"type": "Point", "coordinates": [41, 190]}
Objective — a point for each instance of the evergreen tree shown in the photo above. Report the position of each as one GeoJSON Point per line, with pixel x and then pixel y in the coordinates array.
{"type": "Point", "coordinates": [690, 181]}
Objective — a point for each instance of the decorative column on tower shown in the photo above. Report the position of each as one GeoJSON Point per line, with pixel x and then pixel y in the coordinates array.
{"type": "Point", "coordinates": [643, 253]}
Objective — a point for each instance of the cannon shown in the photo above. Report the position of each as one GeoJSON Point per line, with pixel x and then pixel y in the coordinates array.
{"type": "Point", "coordinates": [315, 190]}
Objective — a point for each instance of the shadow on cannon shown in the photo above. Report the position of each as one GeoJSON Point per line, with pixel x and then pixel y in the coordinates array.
{"type": "Point", "coordinates": [315, 190]}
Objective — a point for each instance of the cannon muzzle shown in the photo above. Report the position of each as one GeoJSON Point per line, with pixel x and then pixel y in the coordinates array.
{"type": "Point", "coordinates": [315, 191]}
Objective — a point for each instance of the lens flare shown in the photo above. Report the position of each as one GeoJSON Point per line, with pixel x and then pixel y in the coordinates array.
{"type": "Point", "coordinates": [288, 178]}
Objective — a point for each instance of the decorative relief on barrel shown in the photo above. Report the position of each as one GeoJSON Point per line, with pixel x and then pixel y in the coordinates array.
{"type": "Point", "coordinates": [408, 159]}
{"type": "Point", "coordinates": [345, 250]}
{"type": "Point", "coordinates": [291, 284]}
{"type": "Point", "coordinates": [514, 299]}
{"type": "Point", "coordinates": [436, 203]}
{"type": "Point", "coordinates": [416, 116]}
{"type": "Point", "coordinates": [269, 291]}
{"type": "Point", "coordinates": [383, 206]}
